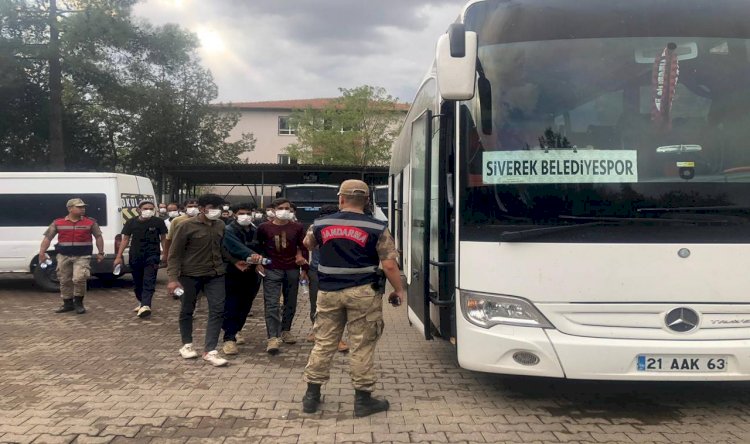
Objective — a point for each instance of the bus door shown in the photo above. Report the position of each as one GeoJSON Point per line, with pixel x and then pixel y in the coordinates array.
{"type": "Point", "coordinates": [440, 242]}
{"type": "Point", "coordinates": [418, 297]}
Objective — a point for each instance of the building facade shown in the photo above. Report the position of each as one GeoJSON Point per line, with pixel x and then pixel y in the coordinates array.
{"type": "Point", "coordinates": [269, 123]}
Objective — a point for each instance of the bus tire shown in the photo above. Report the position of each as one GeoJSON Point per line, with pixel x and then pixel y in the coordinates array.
{"type": "Point", "coordinates": [46, 278]}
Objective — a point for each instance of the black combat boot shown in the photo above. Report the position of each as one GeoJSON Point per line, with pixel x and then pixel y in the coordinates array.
{"type": "Point", "coordinates": [66, 306]}
{"type": "Point", "coordinates": [311, 400]}
{"type": "Point", "coordinates": [78, 303]}
{"type": "Point", "coordinates": [365, 405]}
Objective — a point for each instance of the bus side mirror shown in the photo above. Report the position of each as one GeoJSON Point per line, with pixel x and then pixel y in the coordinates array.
{"type": "Point", "coordinates": [456, 61]}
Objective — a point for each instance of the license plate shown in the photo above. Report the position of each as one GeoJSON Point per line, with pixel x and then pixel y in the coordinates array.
{"type": "Point", "coordinates": [682, 364]}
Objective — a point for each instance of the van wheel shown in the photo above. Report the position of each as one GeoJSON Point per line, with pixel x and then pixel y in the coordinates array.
{"type": "Point", "coordinates": [107, 279]}
{"type": "Point", "coordinates": [46, 278]}
{"type": "Point", "coordinates": [107, 276]}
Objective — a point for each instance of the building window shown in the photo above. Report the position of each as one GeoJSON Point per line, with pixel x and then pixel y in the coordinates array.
{"type": "Point", "coordinates": [284, 159]}
{"type": "Point", "coordinates": [285, 128]}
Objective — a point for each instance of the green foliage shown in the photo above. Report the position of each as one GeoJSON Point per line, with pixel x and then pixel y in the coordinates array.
{"type": "Point", "coordinates": [357, 128]}
{"type": "Point", "coordinates": [136, 98]}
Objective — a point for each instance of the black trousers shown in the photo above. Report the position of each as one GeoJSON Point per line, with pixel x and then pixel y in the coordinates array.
{"type": "Point", "coordinates": [241, 290]}
{"type": "Point", "coordinates": [144, 271]}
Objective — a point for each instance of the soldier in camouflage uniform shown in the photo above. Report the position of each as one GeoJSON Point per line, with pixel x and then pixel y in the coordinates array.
{"type": "Point", "coordinates": [352, 246]}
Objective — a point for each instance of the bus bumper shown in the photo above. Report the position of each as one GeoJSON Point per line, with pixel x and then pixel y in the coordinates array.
{"type": "Point", "coordinates": [491, 350]}
{"type": "Point", "coordinates": [565, 356]}
{"type": "Point", "coordinates": [616, 359]}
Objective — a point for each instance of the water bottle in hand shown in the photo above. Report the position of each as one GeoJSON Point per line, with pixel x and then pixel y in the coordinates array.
{"type": "Point", "coordinates": [46, 263]}
{"type": "Point", "coordinates": [117, 270]}
{"type": "Point", "coordinates": [179, 292]}
{"type": "Point", "coordinates": [263, 261]}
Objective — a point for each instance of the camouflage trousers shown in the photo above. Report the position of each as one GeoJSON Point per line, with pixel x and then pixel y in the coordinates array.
{"type": "Point", "coordinates": [360, 310]}
{"type": "Point", "coordinates": [73, 273]}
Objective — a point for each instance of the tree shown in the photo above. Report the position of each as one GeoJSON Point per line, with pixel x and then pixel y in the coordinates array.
{"type": "Point", "coordinates": [357, 128]}
{"type": "Point", "coordinates": [136, 98]}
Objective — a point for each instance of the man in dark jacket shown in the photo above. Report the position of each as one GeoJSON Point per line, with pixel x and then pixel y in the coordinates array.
{"type": "Point", "coordinates": [242, 281]}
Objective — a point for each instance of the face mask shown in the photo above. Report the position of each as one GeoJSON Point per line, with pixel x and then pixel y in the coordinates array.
{"type": "Point", "coordinates": [270, 214]}
{"type": "Point", "coordinates": [284, 214]}
{"type": "Point", "coordinates": [173, 213]}
{"type": "Point", "coordinates": [192, 211]}
{"type": "Point", "coordinates": [213, 214]}
{"type": "Point", "coordinates": [225, 208]}
{"type": "Point", "coordinates": [147, 214]}
{"type": "Point", "coordinates": [244, 219]}
{"type": "Point", "coordinates": [257, 216]}
{"type": "Point", "coordinates": [162, 210]}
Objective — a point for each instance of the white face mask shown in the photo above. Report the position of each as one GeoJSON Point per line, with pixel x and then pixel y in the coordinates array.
{"type": "Point", "coordinates": [270, 214]}
{"type": "Point", "coordinates": [225, 208]}
{"type": "Point", "coordinates": [162, 210]}
{"type": "Point", "coordinates": [213, 214]}
{"type": "Point", "coordinates": [192, 211]}
{"type": "Point", "coordinates": [257, 216]}
{"type": "Point", "coordinates": [147, 214]}
{"type": "Point", "coordinates": [244, 219]}
{"type": "Point", "coordinates": [284, 214]}
{"type": "Point", "coordinates": [173, 213]}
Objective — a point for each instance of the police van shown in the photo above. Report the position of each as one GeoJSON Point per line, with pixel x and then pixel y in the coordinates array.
{"type": "Point", "coordinates": [31, 201]}
{"type": "Point", "coordinates": [309, 198]}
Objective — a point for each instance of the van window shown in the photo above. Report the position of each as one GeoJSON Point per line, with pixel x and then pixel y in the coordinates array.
{"type": "Point", "coordinates": [39, 210]}
{"type": "Point", "coordinates": [312, 194]}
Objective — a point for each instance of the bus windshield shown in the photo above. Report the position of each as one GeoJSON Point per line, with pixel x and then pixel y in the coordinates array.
{"type": "Point", "coordinates": [634, 138]}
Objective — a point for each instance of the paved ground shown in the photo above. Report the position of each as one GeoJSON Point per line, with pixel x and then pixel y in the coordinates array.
{"type": "Point", "coordinates": [109, 377]}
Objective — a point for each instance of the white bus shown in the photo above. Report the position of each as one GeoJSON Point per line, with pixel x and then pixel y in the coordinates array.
{"type": "Point", "coordinates": [571, 189]}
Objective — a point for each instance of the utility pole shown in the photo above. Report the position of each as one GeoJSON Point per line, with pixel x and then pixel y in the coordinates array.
{"type": "Point", "coordinates": [56, 149]}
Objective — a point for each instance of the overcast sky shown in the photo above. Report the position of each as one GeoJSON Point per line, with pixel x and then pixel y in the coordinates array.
{"type": "Point", "coordinates": [299, 49]}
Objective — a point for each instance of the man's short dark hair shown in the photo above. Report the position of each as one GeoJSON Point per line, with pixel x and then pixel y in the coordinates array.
{"type": "Point", "coordinates": [190, 201]}
{"type": "Point", "coordinates": [210, 199]}
{"type": "Point", "coordinates": [280, 201]}
{"type": "Point", "coordinates": [144, 202]}
{"type": "Point", "coordinates": [327, 210]}
{"type": "Point", "coordinates": [359, 201]}
{"type": "Point", "coordinates": [244, 206]}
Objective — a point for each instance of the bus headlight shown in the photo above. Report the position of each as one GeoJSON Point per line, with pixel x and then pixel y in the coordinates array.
{"type": "Point", "coordinates": [487, 310]}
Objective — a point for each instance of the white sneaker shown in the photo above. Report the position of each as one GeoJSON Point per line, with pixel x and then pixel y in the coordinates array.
{"type": "Point", "coordinates": [144, 311]}
{"type": "Point", "coordinates": [240, 339]}
{"type": "Point", "coordinates": [137, 307]}
{"type": "Point", "coordinates": [187, 352]}
{"type": "Point", "coordinates": [214, 358]}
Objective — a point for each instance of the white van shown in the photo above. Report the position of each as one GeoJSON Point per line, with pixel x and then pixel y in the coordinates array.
{"type": "Point", "coordinates": [31, 201]}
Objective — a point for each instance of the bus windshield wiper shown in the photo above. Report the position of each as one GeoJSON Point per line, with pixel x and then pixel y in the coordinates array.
{"type": "Point", "coordinates": [591, 221]}
{"type": "Point", "coordinates": [697, 219]}
{"type": "Point", "coordinates": [688, 209]}
{"type": "Point", "coordinates": [533, 232]}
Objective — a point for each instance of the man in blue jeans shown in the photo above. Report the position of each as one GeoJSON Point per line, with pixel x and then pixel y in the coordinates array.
{"type": "Point", "coordinates": [196, 263]}
{"type": "Point", "coordinates": [281, 241]}
{"type": "Point", "coordinates": [145, 234]}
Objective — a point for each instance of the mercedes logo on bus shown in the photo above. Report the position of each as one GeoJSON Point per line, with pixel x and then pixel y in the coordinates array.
{"type": "Point", "coordinates": [682, 320]}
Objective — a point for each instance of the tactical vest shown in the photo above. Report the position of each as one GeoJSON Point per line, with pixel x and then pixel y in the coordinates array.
{"type": "Point", "coordinates": [74, 238]}
{"type": "Point", "coordinates": [348, 254]}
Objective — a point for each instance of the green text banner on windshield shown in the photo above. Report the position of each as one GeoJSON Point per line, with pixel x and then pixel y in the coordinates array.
{"type": "Point", "coordinates": [560, 166]}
